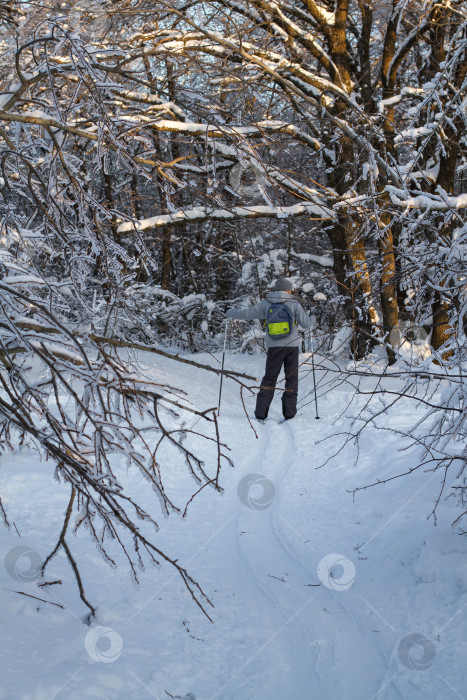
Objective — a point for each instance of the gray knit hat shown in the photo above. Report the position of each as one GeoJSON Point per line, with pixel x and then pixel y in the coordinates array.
{"type": "Point", "coordinates": [283, 285]}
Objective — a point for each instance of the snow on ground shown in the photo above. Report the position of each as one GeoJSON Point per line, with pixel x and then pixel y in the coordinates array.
{"type": "Point", "coordinates": [316, 595]}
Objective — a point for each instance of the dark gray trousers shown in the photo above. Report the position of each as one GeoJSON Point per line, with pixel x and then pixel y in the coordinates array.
{"type": "Point", "coordinates": [277, 357]}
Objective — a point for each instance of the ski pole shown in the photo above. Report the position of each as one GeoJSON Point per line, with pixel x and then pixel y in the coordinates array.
{"type": "Point", "coordinates": [222, 370]}
{"type": "Point", "coordinates": [314, 383]}
{"type": "Point", "coordinates": [311, 347]}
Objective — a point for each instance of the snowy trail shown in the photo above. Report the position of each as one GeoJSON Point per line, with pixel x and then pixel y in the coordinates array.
{"type": "Point", "coordinates": [255, 550]}
{"type": "Point", "coordinates": [316, 626]}
{"type": "Point", "coordinates": [268, 564]}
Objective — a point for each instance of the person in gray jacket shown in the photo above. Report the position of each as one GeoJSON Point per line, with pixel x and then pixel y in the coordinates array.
{"type": "Point", "coordinates": [282, 350]}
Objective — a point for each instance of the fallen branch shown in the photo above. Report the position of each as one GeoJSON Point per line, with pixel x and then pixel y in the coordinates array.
{"type": "Point", "coordinates": [36, 598]}
{"type": "Point", "coordinates": [34, 326]}
{"type": "Point", "coordinates": [157, 351]}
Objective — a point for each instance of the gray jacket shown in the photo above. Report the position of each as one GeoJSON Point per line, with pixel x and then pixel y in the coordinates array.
{"type": "Point", "coordinates": [260, 310]}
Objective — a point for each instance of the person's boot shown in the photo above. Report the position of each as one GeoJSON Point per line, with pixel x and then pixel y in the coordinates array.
{"type": "Point", "coordinates": [261, 419]}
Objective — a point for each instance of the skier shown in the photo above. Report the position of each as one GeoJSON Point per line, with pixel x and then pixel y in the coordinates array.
{"type": "Point", "coordinates": [281, 313]}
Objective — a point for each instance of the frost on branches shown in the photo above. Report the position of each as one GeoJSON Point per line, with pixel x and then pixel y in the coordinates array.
{"type": "Point", "coordinates": [155, 169]}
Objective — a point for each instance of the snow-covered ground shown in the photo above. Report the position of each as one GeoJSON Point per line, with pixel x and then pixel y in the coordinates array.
{"type": "Point", "coordinates": [315, 595]}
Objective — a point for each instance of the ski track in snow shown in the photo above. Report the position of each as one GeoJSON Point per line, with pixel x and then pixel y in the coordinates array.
{"type": "Point", "coordinates": [276, 634]}
{"type": "Point", "coordinates": [314, 647]}
{"type": "Point", "coordinates": [274, 560]}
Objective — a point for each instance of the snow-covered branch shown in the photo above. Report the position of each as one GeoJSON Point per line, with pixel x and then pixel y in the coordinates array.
{"type": "Point", "coordinates": [204, 213]}
{"type": "Point", "coordinates": [441, 202]}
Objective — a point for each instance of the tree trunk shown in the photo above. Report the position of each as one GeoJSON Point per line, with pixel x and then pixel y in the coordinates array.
{"type": "Point", "coordinates": [362, 293]}
{"type": "Point", "coordinates": [389, 306]}
{"type": "Point", "coordinates": [442, 329]}
{"type": "Point", "coordinates": [364, 43]}
{"type": "Point", "coordinates": [166, 258]}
